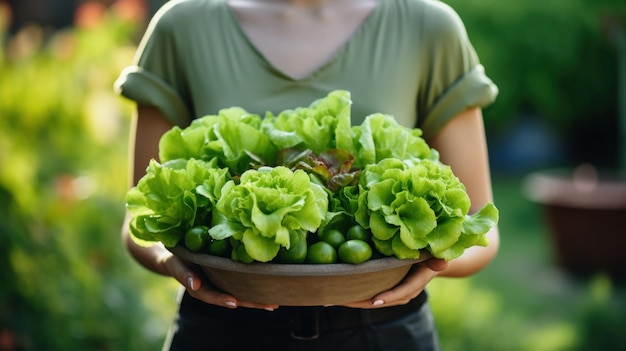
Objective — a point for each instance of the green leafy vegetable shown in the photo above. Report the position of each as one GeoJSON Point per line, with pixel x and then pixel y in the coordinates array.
{"type": "Point", "coordinates": [380, 137]}
{"type": "Point", "coordinates": [265, 206]}
{"type": "Point", "coordinates": [318, 127]}
{"type": "Point", "coordinates": [233, 137]}
{"type": "Point", "coordinates": [260, 183]}
{"type": "Point", "coordinates": [420, 204]}
{"type": "Point", "coordinates": [331, 168]}
{"type": "Point", "coordinates": [166, 201]}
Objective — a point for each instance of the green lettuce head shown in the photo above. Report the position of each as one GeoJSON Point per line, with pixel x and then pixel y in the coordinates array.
{"type": "Point", "coordinates": [262, 209]}
{"type": "Point", "coordinates": [172, 197]}
{"type": "Point", "coordinates": [261, 181]}
{"type": "Point", "coordinates": [411, 205]}
{"type": "Point", "coordinates": [323, 125]}
{"type": "Point", "coordinates": [380, 136]}
{"type": "Point", "coordinates": [233, 136]}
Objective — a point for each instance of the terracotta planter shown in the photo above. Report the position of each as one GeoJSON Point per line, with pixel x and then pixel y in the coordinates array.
{"type": "Point", "coordinates": [586, 218]}
{"type": "Point", "coordinates": [301, 284]}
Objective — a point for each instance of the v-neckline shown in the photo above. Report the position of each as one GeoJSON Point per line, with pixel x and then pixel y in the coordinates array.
{"type": "Point", "coordinates": [339, 52]}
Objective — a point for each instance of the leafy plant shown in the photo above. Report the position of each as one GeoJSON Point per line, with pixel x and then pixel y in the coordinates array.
{"type": "Point", "coordinates": [267, 205]}
{"type": "Point", "coordinates": [379, 174]}
{"type": "Point", "coordinates": [420, 204]}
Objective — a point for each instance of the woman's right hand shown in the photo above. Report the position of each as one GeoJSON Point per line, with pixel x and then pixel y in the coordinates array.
{"type": "Point", "coordinates": [158, 259]}
{"type": "Point", "coordinates": [201, 289]}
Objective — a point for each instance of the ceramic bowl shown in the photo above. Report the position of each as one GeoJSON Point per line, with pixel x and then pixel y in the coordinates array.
{"type": "Point", "coordinates": [301, 284]}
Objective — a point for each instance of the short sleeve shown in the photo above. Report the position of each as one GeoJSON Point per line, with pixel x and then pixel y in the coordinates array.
{"type": "Point", "coordinates": [154, 78]}
{"type": "Point", "coordinates": [473, 89]}
{"type": "Point", "coordinates": [455, 79]}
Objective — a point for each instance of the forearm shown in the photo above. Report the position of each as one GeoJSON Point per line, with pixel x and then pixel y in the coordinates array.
{"type": "Point", "coordinates": [151, 257]}
{"type": "Point", "coordinates": [146, 130]}
{"type": "Point", "coordinates": [462, 145]}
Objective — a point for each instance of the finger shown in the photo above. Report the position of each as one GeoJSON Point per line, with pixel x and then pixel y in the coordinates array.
{"type": "Point", "coordinates": [400, 295]}
{"type": "Point", "coordinates": [412, 285]}
{"type": "Point", "coordinates": [408, 289]}
{"type": "Point", "coordinates": [366, 304]}
{"type": "Point", "coordinates": [267, 307]}
{"type": "Point", "coordinates": [180, 271]}
{"type": "Point", "coordinates": [204, 291]}
{"type": "Point", "coordinates": [209, 294]}
{"type": "Point", "coordinates": [186, 276]}
{"type": "Point", "coordinates": [436, 264]}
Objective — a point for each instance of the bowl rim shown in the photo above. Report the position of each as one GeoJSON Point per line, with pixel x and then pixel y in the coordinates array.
{"type": "Point", "coordinates": [301, 269]}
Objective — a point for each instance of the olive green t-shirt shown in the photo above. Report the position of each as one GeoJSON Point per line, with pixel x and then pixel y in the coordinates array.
{"type": "Point", "coordinates": [409, 58]}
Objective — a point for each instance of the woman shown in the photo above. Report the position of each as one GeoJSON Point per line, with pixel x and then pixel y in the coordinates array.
{"type": "Point", "coordinates": [408, 58]}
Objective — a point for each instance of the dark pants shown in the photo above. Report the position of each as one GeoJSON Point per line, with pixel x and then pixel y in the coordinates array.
{"type": "Point", "coordinates": [200, 326]}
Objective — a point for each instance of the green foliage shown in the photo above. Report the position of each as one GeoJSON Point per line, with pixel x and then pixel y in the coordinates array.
{"type": "Point", "coordinates": [603, 320]}
{"type": "Point", "coordinates": [409, 199]}
{"type": "Point", "coordinates": [67, 282]}
{"type": "Point", "coordinates": [557, 59]}
{"type": "Point", "coordinates": [173, 197]}
{"type": "Point", "coordinates": [265, 206]}
{"type": "Point", "coordinates": [421, 206]}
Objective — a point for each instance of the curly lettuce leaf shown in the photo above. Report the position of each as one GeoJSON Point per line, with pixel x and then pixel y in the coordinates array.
{"type": "Point", "coordinates": [411, 205]}
{"type": "Point", "coordinates": [165, 201]}
{"type": "Point", "coordinates": [316, 127]}
{"type": "Point", "coordinates": [473, 232]}
{"type": "Point", "coordinates": [331, 168]}
{"type": "Point", "coordinates": [187, 143]}
{"type": "Point", "coordinates": [265, 206]}
{"type": "Point", "coordinates": [241, 141]}
{"type": "Point", "coordinates": [380, 136]}
{"type": "Point", "coordinates": [379, 174]}
{"type": "Point", "coordinates": [233, 136]}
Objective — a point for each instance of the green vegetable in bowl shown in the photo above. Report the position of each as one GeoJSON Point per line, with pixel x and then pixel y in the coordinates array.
{"type": "Point", "coordinates": [279, 188]}
{"type": "Point", "coordinates": [333, 237]}
{"type": "Point", "coordinates": [354, 251]}
{"type": "Point", "coordinates": [321, 252]}
{"type": "Point", "coordinates": [197, 238]}
{"type": "Point", "coordinates": [265, 206]}
{"type": "Point", "coordinates": [233, 137]}
{"type": "Point", "coordinates": [410, 205]}
{"type": "Point", "coordinates": [173, 197]}
{"type": "Point", "coordinates": [324, 125]}
{"type": "Point", "coordinates": [380, 137]}
{"type": "Point", "coordinates": [297, 250]}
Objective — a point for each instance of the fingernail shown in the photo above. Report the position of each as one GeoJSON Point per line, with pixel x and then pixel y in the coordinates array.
{"type": "Point", "coordinates": [190, 283]}
{"type": "Point", "coordinates": [230, 304]}
{"type": "Point", "coordinates": [378, 302]}
{"type": "Point", "coordinates": [269, 309]}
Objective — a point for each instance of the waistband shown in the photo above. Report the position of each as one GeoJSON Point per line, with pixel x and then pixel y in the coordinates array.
{"type": "Point", "coordinates": [309, 323]}
{"type": "Point", "coordinates": [304, 323]}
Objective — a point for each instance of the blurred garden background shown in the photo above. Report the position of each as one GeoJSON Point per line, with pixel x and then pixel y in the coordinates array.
{"type": "Point", "coordinates": [66, 283]}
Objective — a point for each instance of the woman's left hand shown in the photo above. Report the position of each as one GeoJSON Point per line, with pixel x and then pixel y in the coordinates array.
{"type": "Point", "coordinates": [412, 285]}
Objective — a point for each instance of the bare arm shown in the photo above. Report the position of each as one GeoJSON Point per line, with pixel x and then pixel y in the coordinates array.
{"type": "Point", "coordinates": [462, 145]}
{"type": "Point", "coordinates": [147, 130]}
